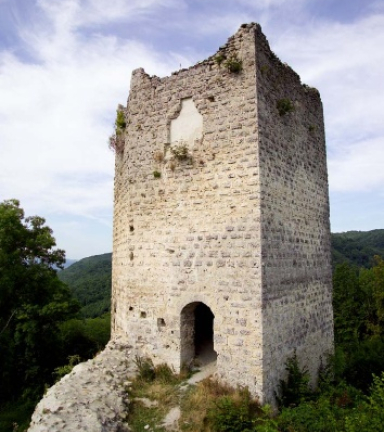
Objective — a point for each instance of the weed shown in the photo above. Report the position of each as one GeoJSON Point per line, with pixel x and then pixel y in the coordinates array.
{"type": "Point", "coordinates": [180, 151]}
{"type": "Point", "coordinates": [285, 106]}
{"type": "Point", "coordinates": [158, 384]}
{"type": "Point", "coordinates": [145, 368]}
{"type": "Point", "coordinates": [140, 417]}
{"type": "Point", "coordinates": [164, 374]}
{"type": "Point", "coordinates": [212, 406]}
{"type": "Point", "coordinates": [158, 156]}
{"type": "Point", "coordinates": [233, 64]}
{"type": "Point", "coordinates": [61, 371]}
{"type": "Point", "coordinates": [120, 122]}
{"type": "Point", "coordinates": [219, 59]}
{"type": "Point", "coordinates": [116, 140]}
{"type": "Point", "coordinates": [156, 174]}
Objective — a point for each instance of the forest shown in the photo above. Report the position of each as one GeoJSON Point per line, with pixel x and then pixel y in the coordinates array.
{"type": "Point", "coordinates": [51, 319]}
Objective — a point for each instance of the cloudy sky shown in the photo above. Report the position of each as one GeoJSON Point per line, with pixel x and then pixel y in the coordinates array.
{"type": "Point", "coordinates": [66, 64]}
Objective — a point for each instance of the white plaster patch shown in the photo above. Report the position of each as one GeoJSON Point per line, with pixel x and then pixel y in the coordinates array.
{"type": "Point", "coordinates": [188, 126]}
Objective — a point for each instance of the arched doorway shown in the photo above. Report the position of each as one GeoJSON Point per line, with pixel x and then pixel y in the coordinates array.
{"type": "Point", "coordinates": [196, 332]}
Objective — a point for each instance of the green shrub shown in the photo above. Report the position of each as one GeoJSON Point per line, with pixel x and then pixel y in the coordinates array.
{"type": "Point", "coordinates": [319, 416]}
{"type": "Point", "coordinates": [145, 368]}
{"type": "Point", "coordinates": [219, 59]}
{"type": "Point", "coordinates": [164, 374]}
{"type": "Point", "coordinates": [61, 371]}
{"type": "Point", "coordinates": [369, 417]}
{"type": "Point", "coordinates": [156, 174]}
{"type": "Point", "coordinates": [120, 123]}
{"type": "Point", "coordinates": [285, 106]}
{"type": "Point", "coordinates": [295, 388]}
{"type": "Point", "coordinates": [180, 151]}
{"type": "Point", "coordinates": [233, 64]}
{"type": "Point", "coordinates": [229, 415]}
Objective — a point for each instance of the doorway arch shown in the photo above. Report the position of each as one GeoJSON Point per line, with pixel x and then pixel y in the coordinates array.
{"type": "Point", "coordinates": [196, 334]}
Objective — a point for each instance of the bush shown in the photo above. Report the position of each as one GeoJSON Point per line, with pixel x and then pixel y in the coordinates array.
{"type": "Point", "coordinates": [229, 416]}
{"type": "Point", "coordinates": [145, 368]}
{"type": "Point", "coordinates": [180, 151]}
{"type": "Point", "coordinates": [296, 387]}
{"type": "Point", "coordinates": [234, 65]}
{"type": "Point", "coordinates": [233, 413]}
{"type": "Point", "coordinates": [284, 106]}
{"type": "Point", "coordinates": [369, 417]}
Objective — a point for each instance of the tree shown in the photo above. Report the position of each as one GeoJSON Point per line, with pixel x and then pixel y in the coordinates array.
{"type": "Point", "coordinates": [33, 302]}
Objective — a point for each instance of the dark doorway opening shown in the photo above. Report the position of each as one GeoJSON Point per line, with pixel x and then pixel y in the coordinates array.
{"type": "Point", "coordinates": [197, 331]}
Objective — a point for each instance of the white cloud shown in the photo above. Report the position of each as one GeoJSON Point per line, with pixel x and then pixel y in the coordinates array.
{"type": "Point", "coordinates": [360, 168]}
{"type": "Point", "coordinates": [58, 101]}
{"type": "Point", "coordinates": [345, 62]}
{"type": "Point", "coordinates": [56, 113]}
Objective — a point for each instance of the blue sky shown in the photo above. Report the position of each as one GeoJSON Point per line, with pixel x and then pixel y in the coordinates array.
{"type": "Point", "coordinates": [66, 64]}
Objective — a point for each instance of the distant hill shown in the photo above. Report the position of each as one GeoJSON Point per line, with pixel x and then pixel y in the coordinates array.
{"type": "Point", "coordinates": [90, 278]}
{"type": "Point", "coordinates": [69, 262]}
{"type": "Point", "coordinates": [357, 247]}
{"type": "Point", "coordinates": [90, 281]}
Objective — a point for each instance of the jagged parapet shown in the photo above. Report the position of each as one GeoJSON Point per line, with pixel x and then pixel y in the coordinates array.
{"type": "Point", "coordinates": [222, 217]}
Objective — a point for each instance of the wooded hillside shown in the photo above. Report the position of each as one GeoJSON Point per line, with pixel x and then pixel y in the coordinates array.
{"type": "Point", "coordinates": [90, 281]}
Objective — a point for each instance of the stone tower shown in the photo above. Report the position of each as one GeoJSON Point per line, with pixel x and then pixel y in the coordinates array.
{"type": "Point", "coordinates": [221, 221]}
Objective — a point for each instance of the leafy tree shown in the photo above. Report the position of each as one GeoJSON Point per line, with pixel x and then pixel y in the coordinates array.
{"type": "Point", "coordinates": [33, 302]}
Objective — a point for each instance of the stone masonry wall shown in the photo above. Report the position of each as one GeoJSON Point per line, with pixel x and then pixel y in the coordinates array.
{"type": "Point", "coordinates": [240, 224]}
{"type": "Point", "coordinates": [295, 230]}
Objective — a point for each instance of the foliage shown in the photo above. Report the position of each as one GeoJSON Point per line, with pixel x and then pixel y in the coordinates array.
{"type": "Point", "coordinates": [285, 106]}
{"type": "Point", "coordinates": [145, 368]}
{"type": "Point", "coordinates": [358, 315]}
{"type": "Point", "coordinates": [233, 64]}
{"type": "Point", "coordinates": [16, 415]}
{"type": "Point", "coordinates": [90, 282]}
{"type": "Point", "coordinates": [33, 302]}
{"type": "Point", "coordinates": [219, 58]}
{"type": "Point", "coordinates": [180, 151]}
{"type": "Point", "coordinates": [85, 337]}
{"type": "Point", "coordinates": [157, 385]}
{"type": "Point", "coordinates": [61, 371]}
{"type": "Point", "coordinates": [156, 174]}
{"type": "Point", "coordinates": [116, 141]}
{"type": "Point", "coordinates": [120, 123]}
{"type": "Point", "coordinates": [357, 247]}
{"type": "Point", "coordinates": [229, 414]}
{"type": "Point", "coordinates": [295, 388]}
{"type": "Point", "coordinates": [147, 372]}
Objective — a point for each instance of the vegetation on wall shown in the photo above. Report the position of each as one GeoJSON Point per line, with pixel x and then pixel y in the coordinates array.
{"type": "Point", "coordinates": [234, 64]}
{"type": "Point", "coordinates": [285, 106]}
{"type": "Point", "coordinates": [181, 151]}
{"type": "Point", "coordinates": [116, 140]}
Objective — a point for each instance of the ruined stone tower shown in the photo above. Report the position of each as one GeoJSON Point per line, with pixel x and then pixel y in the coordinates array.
{"type": "Point", "coordinates": [221, 223]}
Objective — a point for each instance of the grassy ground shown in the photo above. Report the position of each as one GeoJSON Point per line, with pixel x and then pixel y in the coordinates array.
{"type": "Point", "coordinates": [206, 406]}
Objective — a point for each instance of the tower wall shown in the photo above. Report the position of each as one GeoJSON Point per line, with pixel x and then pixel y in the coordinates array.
{"type": "Point", "coordinates": [240, 223]}
{"type": "Point", "coordinates": [295, 229]}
